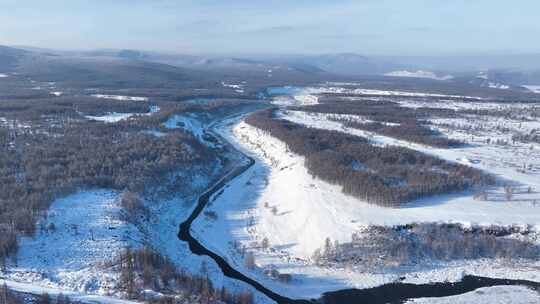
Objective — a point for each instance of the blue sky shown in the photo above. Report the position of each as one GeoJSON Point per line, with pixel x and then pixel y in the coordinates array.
{"type": "Point", "coordinates": [373, 27]}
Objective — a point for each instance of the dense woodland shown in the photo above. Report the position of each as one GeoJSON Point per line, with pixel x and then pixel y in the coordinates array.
{"type": "Point", "coordinates": [387, 176]}
{"type": "Point", "coordinates": [384, 246]}
{"type": "Point", "coordinates": [144, 269]}
{"type": "Point", "coordinates": [55, 156]}
{"type": "Point", "coordinates": [387, 118]}
{"type": "Point", "coordinates": [410, 131]}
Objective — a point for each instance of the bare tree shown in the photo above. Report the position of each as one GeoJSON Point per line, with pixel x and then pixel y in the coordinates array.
{"type": "Point", "coordinates": [250, 260]}
{"type": "Point", "coordinates": [508, 192]}
{"type": "Point", "coordinates": [265, 244]}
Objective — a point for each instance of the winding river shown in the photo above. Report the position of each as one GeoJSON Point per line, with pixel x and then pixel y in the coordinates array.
{"type": "Point", "coordinates": [398, 292]}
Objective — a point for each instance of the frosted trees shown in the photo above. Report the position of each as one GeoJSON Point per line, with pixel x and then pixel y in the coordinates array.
{"type": "Point", "coordinates": [265, 244]}
{"type": "Point", "coordinates": [508, 192]}
{"type": "Point", "coordinates": [249, 260]}
{"type": "Point", "coordinates": [328, 247]}
{"type": "Point", "coordinates": [316, 257]}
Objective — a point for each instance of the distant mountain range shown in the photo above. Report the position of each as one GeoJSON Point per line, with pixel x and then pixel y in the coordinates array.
{"type": "Point", "coordinates": [498, 71]}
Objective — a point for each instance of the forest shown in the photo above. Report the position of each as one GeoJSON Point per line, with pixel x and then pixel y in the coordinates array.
{"type": "Point", "coordinates": [387, 176]}
{"type": "Point", "coordinates": [420, 243]}
{"type": "Point", "coordinates": [144, 269]}
{"type": "Point", "coordinates": [387, 118]}
{"type": "Point", "coordinates": [59, 154]}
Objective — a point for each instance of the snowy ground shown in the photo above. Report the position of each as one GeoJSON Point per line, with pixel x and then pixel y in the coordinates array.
{"type": "Point", "coordinates": [489, 295]}
{"type": "Point", "coordinates": [360, 92]}
{"type": "Point", "coordinates": [533, 88]}
{"type": "Point", "coordinates": [277, 199]}
{"type": "Point", "coordinates": [120, 97]}
{"type": "Point", "coordinates": [188, 122]}
{"type": "Point", "coordinates": [81, 232]}
{"type": "Point", "coordinates": [88, 233]}
{"type": "Point", "coordinates": [116, 117]}
{"type": "Point", "coordinates": [419, 74]}
{"type": "Point", "coordinates": [238, 88]}
{"type": "Point", "coordinates": [504, 161]}
{"type": "Point", "coordinates": [54, 292]}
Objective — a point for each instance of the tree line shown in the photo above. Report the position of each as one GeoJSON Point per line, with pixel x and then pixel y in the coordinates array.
{"type": "Point", "coordinates": [386, 246]}
{"type": "Point", "coordinates": [387, 176]}
{"type": "Point", "coordinates": [388, 118]}
{"type": "Point", "coordinates": [143, 269]}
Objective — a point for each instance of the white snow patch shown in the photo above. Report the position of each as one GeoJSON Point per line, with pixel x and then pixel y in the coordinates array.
{"type": "Point", "coordinates": [116, 117]}
{"type": "Point", "coordinates": [120, 97]}
{"type": "Point", "coordinates": [188, 123]}
{"type": "Point", "coordinates": [54, 292]}
{"type": "Point", "coordinates": [111, 118]}
{"type": "Point", "coordinates": [497, 85]}
{"type": "Point", "coordinates": [533, 88]}
{"type": "Point", "coordinates": [488, 295]}
{"type": "Point", "coordinates": [419, 74]}
{"type": "Point", "coordinates": [482, 75]}
{"type": "Point", "coordinates": [233, 86]}
{"type": "Point", "coordinates": [361, 92]}
{"type": "Point", "coordinates": [3, 75]}
{"type": "Point", "coordinates": [57, 93]}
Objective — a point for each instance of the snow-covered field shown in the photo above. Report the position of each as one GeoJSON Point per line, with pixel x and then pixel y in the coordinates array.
{"type": "Point", "coordinates": [54, 292]}
{"type": "Point", "coordinates": [116, 117]}
{"type": "Point", "coordinates": [489, 295]}
{"type": "Point", "coordinates": [419, 74]}
{"type": "Point", "coordinates": [80, 233]}
{"type": "Point", "coordinates": [500, 160]}
{"type": "Point", "coordinates": [497, 85]}
{"type": "Point", "coordinates": [238, 88]}
{"type": "Point", "coordinates": [120, 97]}
{"type": "Point", "coordinates": [361, 91]}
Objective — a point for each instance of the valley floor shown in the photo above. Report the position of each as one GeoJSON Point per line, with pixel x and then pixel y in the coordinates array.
{"type": "Point", "coordinates": [282, 214]}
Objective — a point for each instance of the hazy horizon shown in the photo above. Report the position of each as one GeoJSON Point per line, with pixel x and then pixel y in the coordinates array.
{"type": "Point", "coordinates": [383, 28]}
